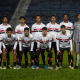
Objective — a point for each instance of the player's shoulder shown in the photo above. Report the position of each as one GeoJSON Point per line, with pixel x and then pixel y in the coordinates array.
{"type": "Point", "coordinates": [13, 35]}
{"type": "Point", "coordinates": [75, 23]}
{"type": "Point", "coordinates": [43, 24]}
{"type": "Point", "coordinates": [18, 26]}
{"type": "Point", "coordinates": [26, 25]}
{"type": "Point", "coordinates": [70, 23]}
{"type": "Point", "coordinates": [61, 22]}
{"type": "Point", "coordinates": [8, 25]}
{"type": "Point", "coordinates": [33, 25]}
{"type": "Point", "coordinates": [30, 35]}
{"type": "Point", "coordinates": [48, 24]}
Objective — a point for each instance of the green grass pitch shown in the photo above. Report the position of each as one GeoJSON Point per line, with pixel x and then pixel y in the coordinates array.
{"type": "Point", "coordinates": [41, 74]}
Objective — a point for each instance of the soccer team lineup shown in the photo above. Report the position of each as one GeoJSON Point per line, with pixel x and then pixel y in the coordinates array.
{"type": "Point", "coordinates": [38, 39]}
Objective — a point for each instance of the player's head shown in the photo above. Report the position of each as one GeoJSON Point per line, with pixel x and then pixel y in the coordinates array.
{"type": "Point", "coordinates": [38, 18]}
{"type": "Point", "coordinates": [78, 16]}
{"type": "Point", "coordinates": [22, 19]}
{"type": "Point", "coordinates": [9, 31]}
{"type": "Point", "coordinates": [63, 28]}
{"type": "Point", "coordinates": [26, 31]}
{"type": "Point", "coordinates": [65, 17]}
{"type": "Point", "coordinates": [44, 30]}
{"type": "Point", "coordinates": [53, 18]}
{"type": "Point", "coordinates": [5, 18]}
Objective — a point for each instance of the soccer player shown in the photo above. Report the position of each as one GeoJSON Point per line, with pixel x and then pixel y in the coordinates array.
{"type": "Point", "coordinates": [18, 31]}
{"type": "Point", "coordinates": [53, 29]}
{"type": "Point", "coordinates": [26, 44]}
{"type": "Point", "coordinates": [9, 43]}
{"type": "Point", "coordinates": [3, 28]}
{"type": "Point", "coordinates": [64, 42]}
{"type": "Point", "coordinates": [77, 40]}
{"type": "Point", "coordinates": [69, 27]}
{"type": "Point", "coordinates": [36, 30]}
{"type": "Point", "coordinates": [44, 43]}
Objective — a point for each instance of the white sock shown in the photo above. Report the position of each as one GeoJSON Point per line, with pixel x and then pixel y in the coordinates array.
{"type": "Point", "coordinates": [77, 60]}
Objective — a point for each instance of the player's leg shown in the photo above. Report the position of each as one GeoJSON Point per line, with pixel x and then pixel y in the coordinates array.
{"type": "Point", "coordinates": [59, 58]}
{"type": "Point", "coordinates": [55, 50]}
{"type": "Point", "coordinates": [70, 58]}
{"type": "Point", "coordinates": [43, 58]}
{"type": "Point", "coordinates": [17, 58]}
{"type": "Point", "coordinates": [4, 58]}
{"type": "Point", "coordinates": [50, 59]}
{"type": "Point", "coordinates": [37, 58]}
{"type": "Point", "coordinates": [34, 50]}
{"type": "Point", "coordinates": [77, 50]}
{"type": "Point", "coordinates": [26, 58]}
{"type": "Point", "coordinates": [14, 59]}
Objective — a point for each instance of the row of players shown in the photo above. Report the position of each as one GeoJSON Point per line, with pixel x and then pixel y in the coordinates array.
{"type": "Point", "coordinates": [60, 35]}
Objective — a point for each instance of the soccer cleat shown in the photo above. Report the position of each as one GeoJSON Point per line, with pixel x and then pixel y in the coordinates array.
{"type": "Point", "coordinates": [9, 66]}
{"type": "Point", "coordinates": [19, 67]}
{"type": "Point", "coordinates": [0, 67]}
{"type": "Point", "coordinates": [60, 67]}
{"type": "Point", "coordinates": [37, 67]}
{"type": "Point", "coordinates": [56, 68]}
{"type": "Point", "coordinates": [14, 67]}
{"type": "Point", "coordinates": [45, 67]}
{"type": "Point", "coordinates": [32, 67]}
{"type": "Point", "coordinates": [51, 67]}
{"type": "Point", "coordinates": [71, 67]}
{"type": "Point", "coordinates": [4, 67]}
{"type": "Point", "coordinates": [76, 67]}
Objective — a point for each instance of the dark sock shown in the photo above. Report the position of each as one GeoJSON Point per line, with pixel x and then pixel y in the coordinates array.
{"type": "Point", "coordinates": [26, 63]}
{"type": "Point", "coordinates": [4, 63]}
{"type": "Point", "coordinates": [14, 63]}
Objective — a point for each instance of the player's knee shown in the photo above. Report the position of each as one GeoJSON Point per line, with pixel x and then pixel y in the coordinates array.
{"type": "Point", "coordinates": [50, 54]}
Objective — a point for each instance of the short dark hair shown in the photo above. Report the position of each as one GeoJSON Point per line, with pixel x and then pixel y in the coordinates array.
{"type": "Point", "coordinates": [5, 16]}
{"type": "Point", "coordinates": [65, 14]}
{"type": "Point", "coordinates": [63, 26]}
{"type": "Point", "coordinates": [44, 28]}
{"type": "Point", "coordinates": [9, 29]}
{"type": "Point", "coordinates": [38, 15]}
{"type": "Point", "coordinates": [78, 14]}
{"type": "Point", "coordinates": [22, 17]}
{"type": "Point", "coordinates": [26, 29]}
{"type": "Point", "coordinates": [54, 16]}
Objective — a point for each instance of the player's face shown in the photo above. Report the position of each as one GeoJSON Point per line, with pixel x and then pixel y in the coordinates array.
{"type": "Point", "coordinates": [63, 29]}
{"type": "Point", "coordinates": [53, 19]}
{"type": "Point", "coordinates": [44, 32]}
{"type": "Point", "coordinates": [26, 32]}
{"type": "Point", "coordinates": [79, 16]}
{"type": "Point", "coordinates": [22, 20]}
{"type": "Point", "coordinates": [65, 17]}
{"type": "Point", "coordinates": [9, 33]}
{"type": "Point", "coordinates": [5, 20]}
{"type": "Point", "coordinates": [38, 19]}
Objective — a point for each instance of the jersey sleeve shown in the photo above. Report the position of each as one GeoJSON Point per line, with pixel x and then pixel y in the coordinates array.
{"type": "Point", "coordinates": [20, 43]}
{"type": "Point", "coordinates": [32, 43]}
{"type": "Point", "coordinates": [16, 30]}
{"type": "Point", "coordinates": [15, 44]}
{"type": "Point", "coordinates": [57, 41]}
{"type": "Point", "coordinates": [50, 40]}
{"type": "Point", "coordinates": [38, 41]}
{"type": "Point", "coordinates": [70, 43]}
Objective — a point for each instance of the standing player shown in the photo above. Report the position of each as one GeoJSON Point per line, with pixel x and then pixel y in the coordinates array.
{"type": "Point", "coordinates": [3, 28]}
{"type": "Point", "coordinates": [36, 30]}
{"type": "Point", "coordinates": [44, 43]}
{"type": "Point", "coordinates": [77, 40]}
{"type": "Point", "coordinates": [9, 42]}
{"type": "Point", "coordinates": [53, 29]}
{"type": "Point", "coordinates": [64, 42]}
{"type": "Point", "coordinates": [69, 26]}
{"type": "Point", "coordinates": [18, 31]}
{"type": "Point", "coordinates": [26, 44]}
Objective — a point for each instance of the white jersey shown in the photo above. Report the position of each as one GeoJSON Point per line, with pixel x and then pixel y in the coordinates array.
{"type": "Point", "coordinates": [5, 40]}
{"type": "Point", "coordinates": [44, 42]}
{"type": "Point", "coordinates": [3, 28]}
{"type": "Point", "coordinates": [64, 41]}
{"type": "Point", "coordinates": [69, 27]}
{"type": "Point", "coordinates": [53, 29]}
{"type": "Point", "coordinates": [36, 30]}
{"type": "Point", "coordinates": [20, 30]}
{"type": "Point", "coordinates": [26, 42]}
